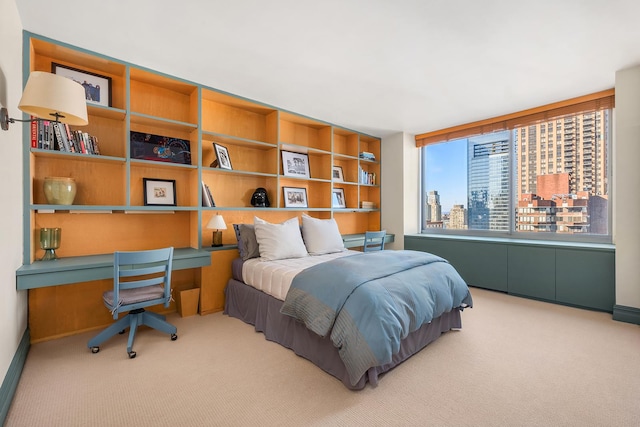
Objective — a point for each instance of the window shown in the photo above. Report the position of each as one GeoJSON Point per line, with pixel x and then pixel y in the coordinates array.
{"type": "Point", "coordinates": [493, 187]}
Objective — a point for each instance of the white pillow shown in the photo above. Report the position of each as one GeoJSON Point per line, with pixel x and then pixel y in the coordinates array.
{"type": "Point", "coordinates": [279, 241]}
{"type": "Point", "coordinates": [321, 236]}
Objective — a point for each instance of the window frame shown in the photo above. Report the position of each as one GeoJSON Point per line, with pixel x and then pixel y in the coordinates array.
{"type": "Point", "coordinates": [599, 101]}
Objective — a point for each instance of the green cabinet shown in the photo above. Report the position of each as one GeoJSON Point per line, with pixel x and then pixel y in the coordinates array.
{"type": "Point", "coordinates": [531, 271]}
{"type": "Point", "coordinates": [577, 275]}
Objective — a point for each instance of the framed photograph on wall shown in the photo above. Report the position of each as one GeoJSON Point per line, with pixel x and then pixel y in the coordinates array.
{"type": "Point", "coordinates": [223, 160]}
{"type": "Point", "coordinates": [159, 192]}
{"type": "Point", "coordinates": [338, 200]}
{"type": "Point", "coordinates": [97, 88]}
{"type": "Point", "coordinates": [295, 197]}
{"type": "Point", "coordinates": [295, 164]}
{"type": "Point", "coordinates": [338, 175]}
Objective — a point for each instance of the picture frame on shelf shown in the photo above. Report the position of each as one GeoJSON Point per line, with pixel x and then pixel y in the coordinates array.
{"type": "Point", "coordinates": [295, 164]}
{"type": "Point", "coordinates": [223, 160]}
{"type": "Point", "coordinates": [159, 192]}
{"type": "Point", "coordinates": [338, 199]}
{"type": "Point", "coordinates": [295, 197]}
{"type": "Point", "coordinates": [338, 174]}
{"type": "Point", "coordinates": [97, 88]}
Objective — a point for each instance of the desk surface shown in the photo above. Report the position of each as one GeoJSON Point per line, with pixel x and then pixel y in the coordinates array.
{"type": "Point", "coordinates": [64, 271]}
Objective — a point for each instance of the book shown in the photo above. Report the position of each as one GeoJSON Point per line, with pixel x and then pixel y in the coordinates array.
{"type": "Point", "coordinates": [34, 132]}
{"type": "Point", "coordinates": [213, 203]}
{"type": "Point", "coordinates": [207, 199]}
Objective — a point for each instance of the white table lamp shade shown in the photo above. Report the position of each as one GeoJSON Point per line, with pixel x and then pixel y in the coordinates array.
{"type": "Point", "coordinates": [217, 223]}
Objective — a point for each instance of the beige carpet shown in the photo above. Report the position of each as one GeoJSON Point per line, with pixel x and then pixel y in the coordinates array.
{"type": "Point", "coordinates": [516, 362]}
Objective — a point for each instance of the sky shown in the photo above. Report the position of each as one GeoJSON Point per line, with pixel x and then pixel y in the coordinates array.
{"type": "Point", "coordinates": [446, 172]}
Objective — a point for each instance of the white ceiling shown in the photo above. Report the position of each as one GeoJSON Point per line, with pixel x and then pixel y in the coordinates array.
{"type": "Point", "coordinates": [376, 66]}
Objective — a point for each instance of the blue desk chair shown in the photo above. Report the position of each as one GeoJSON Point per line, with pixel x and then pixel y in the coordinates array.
{"type": "Point", "coordinates": [374, 240]}
{"type": "Point", "coordinates": [140, 279]}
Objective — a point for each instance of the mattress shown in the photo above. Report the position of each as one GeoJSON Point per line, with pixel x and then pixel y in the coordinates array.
{"type": "Point", "coordinates": [274, 277]}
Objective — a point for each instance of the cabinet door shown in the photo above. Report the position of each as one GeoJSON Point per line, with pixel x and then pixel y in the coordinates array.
{"type": "Point", "coordinates": [586, 278]}
{"type": "Point", "coordinates": [532, 272]}
{"type": "Point", "coordinates": [480, 264]}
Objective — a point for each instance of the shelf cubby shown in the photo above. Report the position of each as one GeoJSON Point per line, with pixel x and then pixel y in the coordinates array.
{"type": "Point", "coordinates": [245, 155]}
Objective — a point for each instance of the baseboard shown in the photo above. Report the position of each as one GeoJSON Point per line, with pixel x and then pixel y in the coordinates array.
{"type": "Point", "coordinates": [10, 383]}
{"type": "Point", "coordinates": [626, 314]}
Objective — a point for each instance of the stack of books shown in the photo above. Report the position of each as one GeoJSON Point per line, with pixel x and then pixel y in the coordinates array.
{"type": "Point", "coordinates": [365, 155]}
{"type": "Point", "coordinates": [367, 205]}
{"type": "Point", "coordinates": [50, 135]}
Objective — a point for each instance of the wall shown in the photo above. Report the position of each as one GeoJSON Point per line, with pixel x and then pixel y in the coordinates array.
{"type": "Point", "coordinates": [400, 192]}
{"type": "Point", "coordinates": [626, 184]}
{"type": "Point", "coordinates": [13, 304]}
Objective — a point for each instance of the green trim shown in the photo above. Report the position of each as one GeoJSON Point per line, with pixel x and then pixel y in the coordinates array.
{"type": "Point", "coordinates": [10, 383]}
{"type": "Point", "coordinates": [626, 314]}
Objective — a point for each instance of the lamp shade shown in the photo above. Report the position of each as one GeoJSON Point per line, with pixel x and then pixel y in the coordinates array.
{"type": "Point", "coordinates": [217, 223]}
{"type": "Point", "coordinates": [50, 96]}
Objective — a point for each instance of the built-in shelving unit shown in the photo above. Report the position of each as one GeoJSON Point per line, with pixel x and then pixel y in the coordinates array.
{"type": "Point", "coordinates": [109, 212]}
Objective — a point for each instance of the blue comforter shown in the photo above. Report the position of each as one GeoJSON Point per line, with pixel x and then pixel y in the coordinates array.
{"type": "Point", "coordinates": [369, 302]}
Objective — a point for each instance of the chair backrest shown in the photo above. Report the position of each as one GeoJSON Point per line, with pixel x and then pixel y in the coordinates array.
{"type": "Point", "coordinates": [374, 240]}
{"type": "Point", "coordinates": [140, 269]}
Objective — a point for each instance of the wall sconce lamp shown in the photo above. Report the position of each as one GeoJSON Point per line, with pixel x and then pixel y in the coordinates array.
{"type": "Point", "coordinates": [50, 96]}
{"type": "Point", "coordinates": [217, 223]}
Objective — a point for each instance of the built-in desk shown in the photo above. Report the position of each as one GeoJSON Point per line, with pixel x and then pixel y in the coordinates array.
{"type": "Point", "coordinates": [64, 271]}
{"type": "Point", "coordinates": [357, 240]}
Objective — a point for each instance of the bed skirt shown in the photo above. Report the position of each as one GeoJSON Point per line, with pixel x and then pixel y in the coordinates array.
{"type": "Point", "coordinates": [263, 311]}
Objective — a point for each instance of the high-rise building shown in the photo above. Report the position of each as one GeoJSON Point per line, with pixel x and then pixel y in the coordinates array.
{"type": "Point", "coordinates": [555, 209]}
{"type": "Point", "coordinates": [488, 181]}
{"type": "Point", "coordinates": [574, 144]}
{"type": "Point", "coordinates": [458, 218]}
{"type": "Point", "coordinates": [434, 210]}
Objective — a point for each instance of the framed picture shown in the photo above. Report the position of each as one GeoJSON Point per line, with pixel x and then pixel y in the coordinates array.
{"type": "Point", "coordinates": [295, 197]}
{"type": "Point", "coordinates": [146, 146]}
{"type": "Point", "coordinates": [159, 192]}
{"type": "Point", "coordinates": [337, 174]}
{"type": "Point", "coordinates": [97, 88]}
{"type": "Point", "coordinates": [338, 200]}
{"type": "Point", "coordinates": [295, 164]}
{"type": "Point", "coordinates": [223, 160]}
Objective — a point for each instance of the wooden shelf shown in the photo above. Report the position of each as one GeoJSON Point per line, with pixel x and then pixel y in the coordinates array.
{"type": "Point", "coordinates": [109, 214]}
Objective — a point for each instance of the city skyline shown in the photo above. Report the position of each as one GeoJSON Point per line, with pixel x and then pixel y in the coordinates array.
{"type": "Point", "coordinates": [444, 173]}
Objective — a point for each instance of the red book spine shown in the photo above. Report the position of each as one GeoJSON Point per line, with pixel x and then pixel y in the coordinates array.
{"type": "Point", "coordinates": [34, 133]}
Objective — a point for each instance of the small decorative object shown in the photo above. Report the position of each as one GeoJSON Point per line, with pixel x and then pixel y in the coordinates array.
{"type": "Point", "coordinates": [49, 242]}
{"type": "Point", "coordinates": [217, 223]}
{"type": "Point", "coordinates": [295, 197]}
{"type": "Point", "coordinates": [295, 164]}
{"type": "Point", "coordinates": [338, 200]}
{"type": "Point", "coordinates": [337, 174]}
{"type": "Point", "coordinates": [260, 198]}
{"type": "Point", "coordinates": [97, 88]}
{"type": "Point", "coordinates": [59, 190]}
{"type": "Point", "coordinates": [146, 146]}
{"type": "Point", "coordinates": [159, 192]}
{"type": "Point", "coordinates": [222, 160]}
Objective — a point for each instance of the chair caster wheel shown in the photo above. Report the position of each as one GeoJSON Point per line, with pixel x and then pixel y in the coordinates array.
{"type": "Point", "coordinates": [132, 354]}
{"type": "Point", "coordinates": [174, 337]}
{"type": "Point", "coordinates": [95, 349]}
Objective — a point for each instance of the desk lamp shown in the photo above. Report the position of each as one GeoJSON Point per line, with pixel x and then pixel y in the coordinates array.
{"type": "Point", "coordinates": [217, 222]}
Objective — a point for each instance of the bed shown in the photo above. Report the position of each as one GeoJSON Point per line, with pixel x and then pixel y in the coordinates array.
{"type": "Point", "coordinates": [316, 298]}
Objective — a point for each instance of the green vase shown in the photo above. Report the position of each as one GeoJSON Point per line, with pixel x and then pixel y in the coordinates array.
{"type": "Point", "coordinates": [59, 190]}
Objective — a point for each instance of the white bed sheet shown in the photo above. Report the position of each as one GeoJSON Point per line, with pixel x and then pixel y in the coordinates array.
{"type": "Point", "coordinates": [274, 277]}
